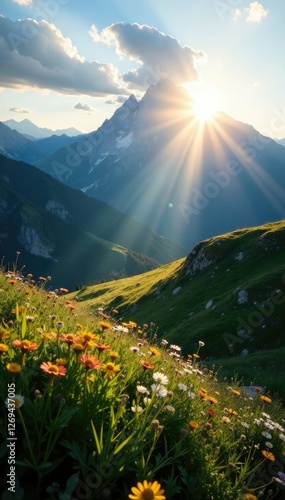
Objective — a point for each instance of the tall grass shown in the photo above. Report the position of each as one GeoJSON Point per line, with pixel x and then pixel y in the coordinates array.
{"type": "Point", "coordinates": [101, 406]}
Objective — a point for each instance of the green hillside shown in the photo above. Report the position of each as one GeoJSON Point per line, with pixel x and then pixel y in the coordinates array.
{"type": "Point", "coordinates": [228, 292]}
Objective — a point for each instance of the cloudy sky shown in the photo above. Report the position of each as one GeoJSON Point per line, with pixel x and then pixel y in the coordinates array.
{"type": "Point", "coordinates": [72, 63]}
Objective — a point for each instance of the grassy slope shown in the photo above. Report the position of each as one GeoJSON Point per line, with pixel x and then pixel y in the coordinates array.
{"type": "Point", "coordinates": [183, 318]}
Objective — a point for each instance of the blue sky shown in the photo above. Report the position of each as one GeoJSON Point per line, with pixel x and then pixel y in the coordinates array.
{"type": "Point", "coordinates": [72, 63]}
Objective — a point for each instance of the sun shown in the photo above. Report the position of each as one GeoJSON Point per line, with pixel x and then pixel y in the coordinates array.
{"type": "Point", "coordinates": [206, 103]}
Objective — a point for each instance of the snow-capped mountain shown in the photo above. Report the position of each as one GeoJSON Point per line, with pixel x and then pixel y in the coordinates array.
{"type": "Point", "coordinates": [154, 160]}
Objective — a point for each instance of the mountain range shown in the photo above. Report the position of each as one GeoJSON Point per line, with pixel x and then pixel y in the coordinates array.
{"type": "Point", "coordinates": [32, 131]}
{"type": "Point", "coordinates": [62, 232]}
{"type": "Point", "coordinates": [184, 180]}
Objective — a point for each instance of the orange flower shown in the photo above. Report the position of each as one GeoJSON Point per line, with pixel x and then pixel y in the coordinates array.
{"type": "Point", "coordinates": [25, 345]}
{"type": "Point", "coordinates": [53, 369]}
{"type": "Point", "coordinates": [193, 425]}
{"type": "Point", "coordinates": [265, 399]}
{"type": "Point", "coordinates": [105, 325]}
{"type": "Point", "coordinates": [89, 361]}
{"type": "Point", "coordinates": [41, 278]}
{"type": "Point", "coordinates": [212, 400]}
{"type": "Point", "coordinates": [102, 347]}
{"type": "Point", "coordinates": [249, 496]}
{"type": "Point", "coordinates": [268, 455]}
{"type": "Point", "coordinates": [69, 338]}
{"type": "Point", "coordinates": [232, 412]}
{"type": "Point", "coordinates": [202, 393]}
{"type": "Point", "coordinates": [146, 365]}
{"type": "Point", "coordinates": [63, 290]}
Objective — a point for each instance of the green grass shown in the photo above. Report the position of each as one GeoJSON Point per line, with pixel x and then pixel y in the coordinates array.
{"type": "Point", "coordinates": [183, 318]}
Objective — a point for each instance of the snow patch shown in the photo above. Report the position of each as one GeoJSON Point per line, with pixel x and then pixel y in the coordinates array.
{"type": "Point", "coordinates": [56, 208]}
{"type": "Point", "coordinates": [100, 159]}
{"type": "Point", "coordinates": [124, 142]}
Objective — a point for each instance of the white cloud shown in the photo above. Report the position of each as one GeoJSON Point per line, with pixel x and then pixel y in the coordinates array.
{"type": "Point", "coordinates": [19, 110]}
{"type": "Point", "coordinates": [158, 55]}
{"type": "Point", "coordinates": [23, 2]}
{"type": "Point", "coordinates": [37, 55]}
{"type": "Point", "coordinates": [255, 12]}
{"type": "Point", "coordinates": [84, 107]}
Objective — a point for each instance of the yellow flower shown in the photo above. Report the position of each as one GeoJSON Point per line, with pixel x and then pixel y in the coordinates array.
{"type": "Point", "coordinates": [154, 351]}
{"type": "Point", "coordinates": [3, 348]}
{"type": "Point", "coordinates": [13, 368]}
{"type": "Point", "coordinates": [61, 361]}
{"type": "Point", "coordinates": [110, 369]}
{"type": "Point", "coordinates": [193, 425]}
{"type": "Point", "coordinates": [4, 333]}
{"type": "Point", "coordinates": [113, 355]}
{"type": "Point", "coordinates": [147, 491]}
{"type": "Point", "coordinates": [249, 496]}
{"type": "Point", "coordinates": [234, 391]}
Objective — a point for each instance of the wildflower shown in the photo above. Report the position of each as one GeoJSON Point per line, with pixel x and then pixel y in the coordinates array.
{"type": "Point", "coordinates": [13, 368]}
{"type": "Point", "coordinates": [59, 324]}
{"type": "Point", "coordinates": [113, 355]}
{"type": "Point", "coordinates": [226, 420]}
{"type": "Point", "coordinates": [105, 325]}
{"type": "Point", "coordinates": [110, 369]}
{"type": "Point", "coordinates": [235, 392]}
{"type": "Point", "coordinates": [69, 338]}
{"type": "Point", "coordinates": [147, 491]}
{"type": "Point", "coordinates": [182, 387]}
{"type": "Point", "coordinates": [249, 496]}
{"type": "Point", "coordinates": [268, 444]}
{"type": "Point", "coordinates": [89, 361]}
{"type": "Point", "coordinates": [202, 393]}
{"type": "Point", "coordinates": [25, 345]}
{"type": "Point", "coordinates": [30, 319]}
{"type": "Point", "coordinates": [268, 455]}
{"type": "Point", "coordinates": [154, 352]}
{"type": "Point", "coordinates": [78, 347]}
{"type": "Point", "coordinates": [265, 399]}
{"type": "Point", "coordinates": [232, 412]}
{"type": "Point", "coordinates": [61, 361]}
{"type": "Point", "coordinates": [136, 409]}
{"type": "Point", "coordinates": [281, 476]}
{"type": "Point", "coordinates": [142, 389]}
{"type": "Point", "coordinates": [160, 377]}
{"type": "Point", "coordinates": [17, 401]}
{"type": "Point", "coordinates": [175, 348]}
{"type": "Point", "coordinates": [88, 337]}
{"type": "Point", "coordinates": [146, 365]}
{"type": "Point", "coordinates": [102, 347]}
{"type": "Point", "coordinates": [4, 333]}
{"type": "Point", "coordinates": [201, 343]}
{"type": "Point", "coordinates": [266, 434]}
{"type": "Point", "coordinates": [159, 390]}
{"type": "Point", "coordinates": [63, 290]}
{"type": "Point", "coordinates": [170, 408]}
{"type": "Point", "coordinates": [193, 425]}
{"type": "Point", "coordinates": [212, 400]}
{"type": "Point", "coordinates": [211, 412]}
{"type": "Point", "coordinates": [134, 349]}
{"type": "Point", "coordinates": [282, 437]}
{"type": "Point", "coordinates": [53, 369]}
{"type": "Point", "coordinates": [3, 348]}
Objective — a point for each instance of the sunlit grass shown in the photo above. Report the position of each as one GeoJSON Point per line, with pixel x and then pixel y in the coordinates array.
{"type": "Point", "coordinates": [102, 405]}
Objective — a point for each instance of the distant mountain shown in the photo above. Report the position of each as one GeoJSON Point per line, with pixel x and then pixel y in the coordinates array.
{"type": "Point", "coordinates": [153, 160]}
{"type": "Point", "coordinates": [15, 145]}
{"type": "Point", "coordinates": [72, 237]}
{"type": "Point", "coordinates": [50, 145]}
{"type": "Point", "coordinates": [26, 127]}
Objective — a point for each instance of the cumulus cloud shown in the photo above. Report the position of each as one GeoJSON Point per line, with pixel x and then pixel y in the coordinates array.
{"type": "Point", "coordinates": [36, 54]}
{"type": "Point", "coordinates": [254, 13]}
{"type": "Point", "coordinates": [158, 55]}
{"type": "Point", "coordinates": [19, 110]}
{"type": "Point", "coordinates": [84, 107]}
